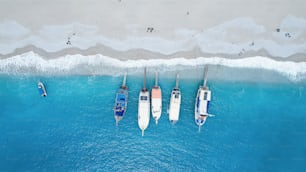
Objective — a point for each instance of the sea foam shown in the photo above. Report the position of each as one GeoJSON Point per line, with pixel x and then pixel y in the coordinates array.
{"type": "Point", "coordinates": [32, 63]}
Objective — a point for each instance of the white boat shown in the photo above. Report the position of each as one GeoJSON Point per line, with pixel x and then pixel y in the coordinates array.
{"type": "Point", "coordinates": [175, 103]}
{"type": "Point", "coordinates": [41, 88]}
{"type": "Point", "coordinates": [144, 107]}
{"type": "Point", "coordinates": [156, 101]}
{"type": "Point", "coordinates": [202, 103]}
{"type": "Point", "coordinates": [121, 101]}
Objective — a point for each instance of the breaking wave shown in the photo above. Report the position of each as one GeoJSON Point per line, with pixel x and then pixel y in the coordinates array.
{"type": "Point", "coordinates": [32, 63]}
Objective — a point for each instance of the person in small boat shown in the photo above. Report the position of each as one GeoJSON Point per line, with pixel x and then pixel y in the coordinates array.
{"type": "Point", "coordinates": [203, 117]}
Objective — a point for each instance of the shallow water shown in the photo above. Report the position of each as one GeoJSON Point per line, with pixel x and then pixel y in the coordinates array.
{"type": "Point", "coordinates": [259, 126]}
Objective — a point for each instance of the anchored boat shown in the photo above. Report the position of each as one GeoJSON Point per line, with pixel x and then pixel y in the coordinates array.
{"type": "Point", "coordinates": [42, 89]}
{"type": "Point", "coordinates": [156, 102]}
{"type": "Point", "coordinates": [144, 107]}
{"type": "Point", "coordinates": [202, 102]}
{"type": "Point", "coordinates": [121, 101]}
{"type": "Point", "coordinates": [175, 103]}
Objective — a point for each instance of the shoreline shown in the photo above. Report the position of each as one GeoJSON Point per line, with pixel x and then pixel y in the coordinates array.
{"type": "Point", "coordinates": [142, 54]}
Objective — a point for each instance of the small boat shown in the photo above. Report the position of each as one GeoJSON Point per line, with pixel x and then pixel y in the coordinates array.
{"type": "Point", "coordinates": [175, 103]}
{"type": "Point", "coordinates": [42, 89]}
{"type": "Point", "coordinates": [202, 103]}
{"type": "Point", "coordinates": [144, 107]}
{"type": "Point", "coordinates": [156, 101]}
{"type": "Point", "coordinates": [121, 101]}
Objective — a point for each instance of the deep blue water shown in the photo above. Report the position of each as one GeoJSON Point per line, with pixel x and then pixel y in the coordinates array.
{"type": "Point", "coordinates": [257, 127]}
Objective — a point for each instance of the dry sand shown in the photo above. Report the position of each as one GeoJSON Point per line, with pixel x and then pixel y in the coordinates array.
{"type": "Point", "coordinates": [119, 19]}
{"type": "Point", "coordinates": [113, 16]}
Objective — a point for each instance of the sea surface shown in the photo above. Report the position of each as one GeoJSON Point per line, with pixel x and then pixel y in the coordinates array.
{"type": "Point", "coordinates": [258, 126]}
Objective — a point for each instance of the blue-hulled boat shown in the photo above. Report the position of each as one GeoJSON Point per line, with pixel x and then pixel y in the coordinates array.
{"type": "Point", "coordinates": [121, 101]}
{"type": "Point", "coordinates": [42, 89]}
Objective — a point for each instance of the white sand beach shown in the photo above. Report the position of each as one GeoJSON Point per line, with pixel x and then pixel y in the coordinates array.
{"type": "Point", "coordinates": [228, 27]}
{"type": "Point", "coordinates": [154, 29]}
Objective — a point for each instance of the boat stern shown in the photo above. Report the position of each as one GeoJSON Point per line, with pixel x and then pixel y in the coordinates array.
{"type": "Point", "coordinates": [200, 120]}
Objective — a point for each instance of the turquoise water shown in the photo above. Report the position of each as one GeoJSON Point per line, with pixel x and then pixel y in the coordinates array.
{"type": "Point", "coordinates": [259, 126]}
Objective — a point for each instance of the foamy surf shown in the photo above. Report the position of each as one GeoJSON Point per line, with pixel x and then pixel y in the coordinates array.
{"type": "Point", "coordinates": [32, 63]}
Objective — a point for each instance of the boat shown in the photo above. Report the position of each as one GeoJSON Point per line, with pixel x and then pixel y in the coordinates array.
{"type": "Point", "coordinates": [175, 103]}
{"type": "Point", "coordinates": [42, 89]}
{"type": "Point", "coordinates": [144, 107]}
{"type": "Point", "coordinates": [121, 101]}
{"type": "Point", "coordinates": [202, 102]}
{"type": "Point", "coordinates": [156, 100]}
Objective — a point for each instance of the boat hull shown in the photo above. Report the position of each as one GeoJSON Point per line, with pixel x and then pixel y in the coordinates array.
{"type": "Point", "coordinates": [121, 102]}
{"type": "Point", "coordinates": [41, 89]}
{"type": "Point", "coordinates": [175, 104]}
{"type": "Point", "coordinates": [156, 103]}
{"type": "Point", "coordinates": [144, 110]}
{"type": "Point", "coordinates": [201, 105]}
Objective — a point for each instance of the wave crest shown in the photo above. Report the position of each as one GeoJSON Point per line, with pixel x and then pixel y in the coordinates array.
{"type": "Point", "coordinates": [32, 63]}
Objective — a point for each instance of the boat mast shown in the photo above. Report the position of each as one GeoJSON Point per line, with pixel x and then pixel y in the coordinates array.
{"type": "Point", "coordinates": [205, 75]}
{"type": "Point", "coordinates": [156, 79]}
{"type": "Point", "coordinates": [144, 79]}
{"type": "Point", "coordinates": [124, 80]}
{"type": "Point", "coordinates": [176, 82]}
